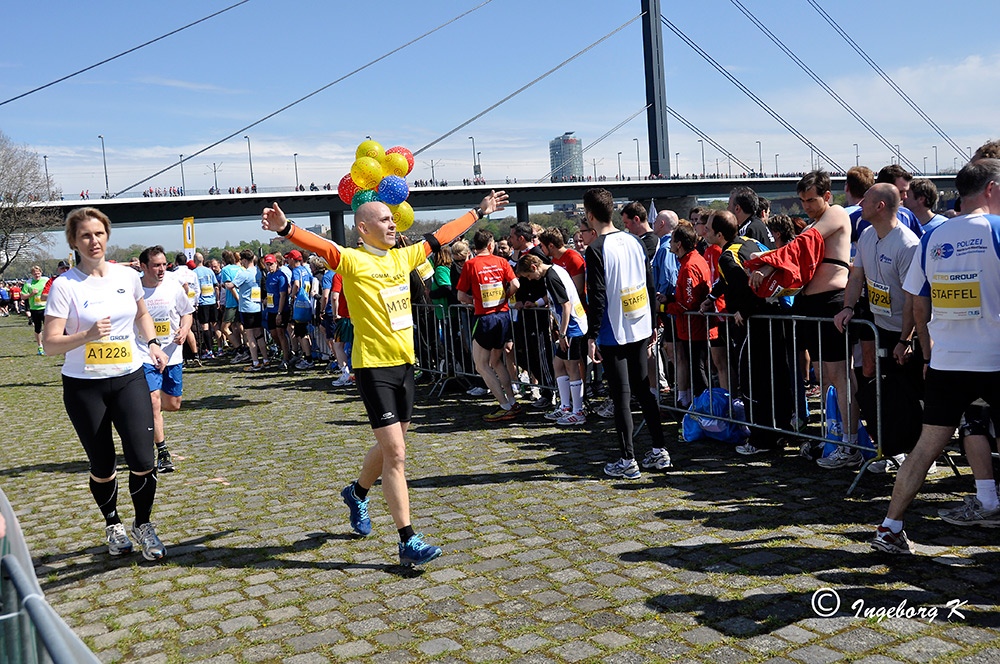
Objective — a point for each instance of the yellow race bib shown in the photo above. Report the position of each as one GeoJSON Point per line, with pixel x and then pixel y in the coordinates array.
{"type": "Point", "coordinates": [491, 294]}
{"type": "Point", "coordinates": [162, 330]}
{"type": "Point", "coordinates": [879, 299]}
{"type": "Point", "coordinates": [397, 305]}
{"type": "Point", "coordinates": [634, 300]}
{"type": "Point", "coordinates": [255, 294]}
{"type": "Point", "coordinates": [207, 290]}
{"type": "Point", "coordinates": [956, 295]}
{"type": "Point", "coordinates": [107, 358]}
{"type": "Point", "coordinates": [270, 300]}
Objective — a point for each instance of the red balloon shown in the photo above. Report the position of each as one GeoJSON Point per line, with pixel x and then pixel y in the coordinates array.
{"type": "Point", "coordinates": [406, 153]}
{"type": "Point", "coordinates": [346, 189]}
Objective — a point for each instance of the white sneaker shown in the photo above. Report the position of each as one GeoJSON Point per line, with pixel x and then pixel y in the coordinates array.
{"type": "Point", "coordinates": [626, 468]}
{"type": "Point", "coordinates": [558, 414]}
{"type": "Point", "coordinates": [117, 538]}
{"type": "Point", "coordinates": [152, 547]}
{"type": "Point", "coordinates": [303, 364]}
{"type": "Point", "coordinates": [606, 409]}
{"type": "Point", "coordinates": [343, 381]}
{"type": "Point", "coordinates": [478, 392]}
{"type": "Point", "coordinates": [572, 419]}
{"type": "Point", "coordinates": [842, 457]}
{"type": "Point", "coordinates": [659, 461]}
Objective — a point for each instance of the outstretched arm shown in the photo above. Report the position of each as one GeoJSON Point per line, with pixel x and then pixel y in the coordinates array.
{"type": "Point", "coordinates": [274, 220]}
{"type": "Point", "coordinates": [496, 201]}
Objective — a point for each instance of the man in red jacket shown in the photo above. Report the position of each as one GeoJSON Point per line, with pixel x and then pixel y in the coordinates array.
{"type": "Point", "coordinates": [693, 286]}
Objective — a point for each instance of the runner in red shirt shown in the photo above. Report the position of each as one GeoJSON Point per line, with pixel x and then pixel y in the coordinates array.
{"type": "Point", "coordinates": [554, 246]}
{"type": "Point", "coordinates": [487, 281]}
{"type": "Point", "coordinates": [719, 344]}
{"type": "Point", "coordinates": [693, 287]}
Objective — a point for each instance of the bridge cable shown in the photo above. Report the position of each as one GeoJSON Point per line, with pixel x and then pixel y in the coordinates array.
{"type": "Point", "coordinates": [302, 99]}
{"type": "Point", "coordinates": [131, 50]}
{"type": "Point", "coordinates": [709, 139]}
{"type": "Point", "coordinates": [525, 87]}
{"type": "Point", "coordinates": [912, 104]}
{"type": "Point", "coordinates": [757, 100]}
{"type": "Point", "coordinates": [815, 77]}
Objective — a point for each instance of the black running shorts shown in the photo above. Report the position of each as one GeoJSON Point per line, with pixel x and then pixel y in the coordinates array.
{"type": "Point", "coordinates": [387, 393]}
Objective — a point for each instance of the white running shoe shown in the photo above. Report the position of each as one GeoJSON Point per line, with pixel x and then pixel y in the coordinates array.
{"type": "Point", "coordinates": [572, 419]}
{"type": "Point", "coordinates": [558, 414]}
{"type": "Point", "coordinates": [626, 468]}
{"type": "Point", "coordinates": [478, 392]}
{"type": "Point", "coordinates": [606, 409]}
{"type": "Point", "coordinates": [842, 457]}
{"type": "Point", "coordinates": [117, 538]}
{"type": "Point", "coordinates": [343, 381]}
{"type": "Point", "coordinates": [152, 547]}
{"type": "Point", "coordinates": [659, 461]}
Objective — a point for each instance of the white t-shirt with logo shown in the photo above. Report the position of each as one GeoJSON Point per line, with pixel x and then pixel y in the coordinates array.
{"type": "Point", "coordinates": [958, 268]}
{"type": "Point", "coordinates": [166, 303]}
{"type": "Point", "coordinates": [189, 278]}
{"type": "Point", "coordinates": [83, 300]}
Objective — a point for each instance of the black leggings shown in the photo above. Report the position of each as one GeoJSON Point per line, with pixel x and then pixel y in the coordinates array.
{"type": "Point", "coordinates": [94, 404]}
{"type": "Point", "coordinates": [627, 372]}
{"type": "Point", "coordinates": [37, 318]}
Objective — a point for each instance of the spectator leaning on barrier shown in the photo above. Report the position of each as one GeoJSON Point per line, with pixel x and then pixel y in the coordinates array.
{"type": "Point", "coordinates": [955, 277]}
{"type": "Point", "coordinates": [745, 206]}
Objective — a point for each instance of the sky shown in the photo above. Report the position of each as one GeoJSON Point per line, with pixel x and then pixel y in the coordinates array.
{"type": "Point", "coordinates": [187, 91]}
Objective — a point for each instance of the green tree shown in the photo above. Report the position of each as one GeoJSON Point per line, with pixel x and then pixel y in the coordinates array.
{"type": "Point", "coordinates": [24, 215]}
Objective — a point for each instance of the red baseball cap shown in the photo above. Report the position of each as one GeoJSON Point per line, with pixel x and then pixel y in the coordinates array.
{"type": "Point", "coordinates": [191, 265]}
{"type": "Point", "coordinates": [294, 253]}
{"type": "Point", "coordinates": [270, 259]}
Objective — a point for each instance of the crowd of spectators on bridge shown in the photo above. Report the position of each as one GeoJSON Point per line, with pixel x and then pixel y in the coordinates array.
{"type": "Point", "coordinates": [157, 192]}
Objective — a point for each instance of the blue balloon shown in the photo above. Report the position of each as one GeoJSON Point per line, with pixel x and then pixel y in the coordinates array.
{"type": "Point", "coordinates": [393, 190]}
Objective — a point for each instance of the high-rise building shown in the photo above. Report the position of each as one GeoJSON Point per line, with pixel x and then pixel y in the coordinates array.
{"type": "Point", "coordinates": [566, 158]}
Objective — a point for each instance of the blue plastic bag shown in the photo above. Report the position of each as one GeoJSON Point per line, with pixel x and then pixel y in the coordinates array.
{"type": "Point", "coordinates": [835, 428]}
{"type": "Point", "coordinates": [701, 420]}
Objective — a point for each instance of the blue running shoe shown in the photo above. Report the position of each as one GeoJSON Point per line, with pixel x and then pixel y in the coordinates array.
{"type": "Point", "coordinates": [415, 552]}
{"type": "Point", "coordinates": [360, 522]}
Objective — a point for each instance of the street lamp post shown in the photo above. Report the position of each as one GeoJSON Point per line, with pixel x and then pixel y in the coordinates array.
{"type": "Point", "coordinates": [473, 139]}
{"type": "Point", "coordinates": [638, 166]}
{"type": "Point", "coordinates": [970, 153]}
{"type": "Point", "coordinates": [479, 160]}
{"type": "Point", "coordinates": [899, 159]}
{"type": "Point", "coordinates": [730, 156]}
{"type": "Point", "coordinates": [48, 189]}
{"type": "Point", "coordinates": [716, 167]}
{"type": "Point", "coordinates": [250, 158]}
{"type": "Point", "coordinates": [760, 160]}
{"type": "Point", "coordinates": [295, 159]}
{"type": "Point", "coordinates": [183, 184]}
{"type": "Point", "coordinates": [936, 171]}
{"type": "Point", "coordinates": [857, 155]}
{"type": "Point", "coordinates": [776, 164]}
{"type": "Point", "coordinates": [677, 163]}
{"type": "Point", "coordinates": [702, 157]}
{"type": "Point", "coordinates": [619, 165]}
{"type": "Point", "coordinates": [925, 165]}
{"type": "Point", "coordinates": [954, 163]}
{"type": "Point", "coordinates": [107, 187]}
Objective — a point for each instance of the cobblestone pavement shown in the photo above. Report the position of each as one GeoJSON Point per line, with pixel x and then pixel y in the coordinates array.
{"type": "Point", "coordinates": [545, 560]}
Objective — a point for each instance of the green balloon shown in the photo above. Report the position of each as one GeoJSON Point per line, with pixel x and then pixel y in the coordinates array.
{"type": "Point", "coordinates": [362, 197]}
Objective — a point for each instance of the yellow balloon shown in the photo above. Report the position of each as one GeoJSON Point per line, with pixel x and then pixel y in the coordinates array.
{"type": "Point", "coordinates": [402, 216]}
{"type": "Point", "coordinates": [395, 164]}
{"type": "Point", "coordinates": [370, 149]}
{"type": "Point", "coordinates": [366, 172]}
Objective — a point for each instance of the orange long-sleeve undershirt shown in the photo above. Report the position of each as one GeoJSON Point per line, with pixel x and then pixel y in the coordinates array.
{"type": "Point", "coordinates": [329, 251]}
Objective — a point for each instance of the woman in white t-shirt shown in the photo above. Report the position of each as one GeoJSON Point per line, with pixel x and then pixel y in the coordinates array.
{"type": "Point", "coordinates": [92, 315]}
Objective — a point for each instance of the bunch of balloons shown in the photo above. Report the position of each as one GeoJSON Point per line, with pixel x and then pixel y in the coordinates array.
{"type": "Point", "coordinates": [379, 175]}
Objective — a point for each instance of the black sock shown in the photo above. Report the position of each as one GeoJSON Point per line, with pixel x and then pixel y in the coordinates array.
{"type": "Point", "coordinates": [161, 447]}
{"type": "Point", "coordinates": [106, 495]}
{"type": "Point", "coordinates": [360, 492]}
{"type": "Point", "coordinates": [206, 336]}
{"type": "Point", "coordinates": [405, 533]}
{"type": "Point", "coordinates": [143, 490]}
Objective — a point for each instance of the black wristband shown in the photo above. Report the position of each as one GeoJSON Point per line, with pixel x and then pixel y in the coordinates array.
{"type": "Point", "coordinates": [847, 306]}
{"type": "Point", "coordinates": [926, 361]}
{"type": "Point", "coordinates": [479, 213]}
{"type": "Point", "coordinates": [286, 230]}
{"type": "Point", "coordinates": [906, 342]}
{"type": "Point", "coordinates": [433, 242]}
{"type": "Point", "coordinates": [154, 341]}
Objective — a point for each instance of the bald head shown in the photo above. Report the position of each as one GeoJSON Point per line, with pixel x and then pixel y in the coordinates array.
{"type": "Point", "coordinates": [665, 222]}
{"type": "Point", "coordinates": [368, 212]}
{"type": "Point", "coordinates": [880, 204]}
{"type": "Point", "coordinates": [375, 224]}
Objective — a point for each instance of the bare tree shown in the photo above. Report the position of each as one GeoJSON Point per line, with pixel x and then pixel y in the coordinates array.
{"type": "Point", "coordinates": [24, 215]}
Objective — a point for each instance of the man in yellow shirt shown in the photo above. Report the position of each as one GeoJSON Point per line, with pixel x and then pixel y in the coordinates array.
{"type": "Point", "coordinates": [376, 285]}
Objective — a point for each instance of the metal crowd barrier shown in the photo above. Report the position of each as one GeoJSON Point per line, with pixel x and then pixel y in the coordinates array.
{"type": "Point", "coordinates": [770, 322]}
{"type": "Point", "coordinates": [31, 632]}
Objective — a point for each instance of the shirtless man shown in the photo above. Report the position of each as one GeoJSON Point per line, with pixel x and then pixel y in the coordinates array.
{"type": "Point", "coordinates": [823, 296]}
